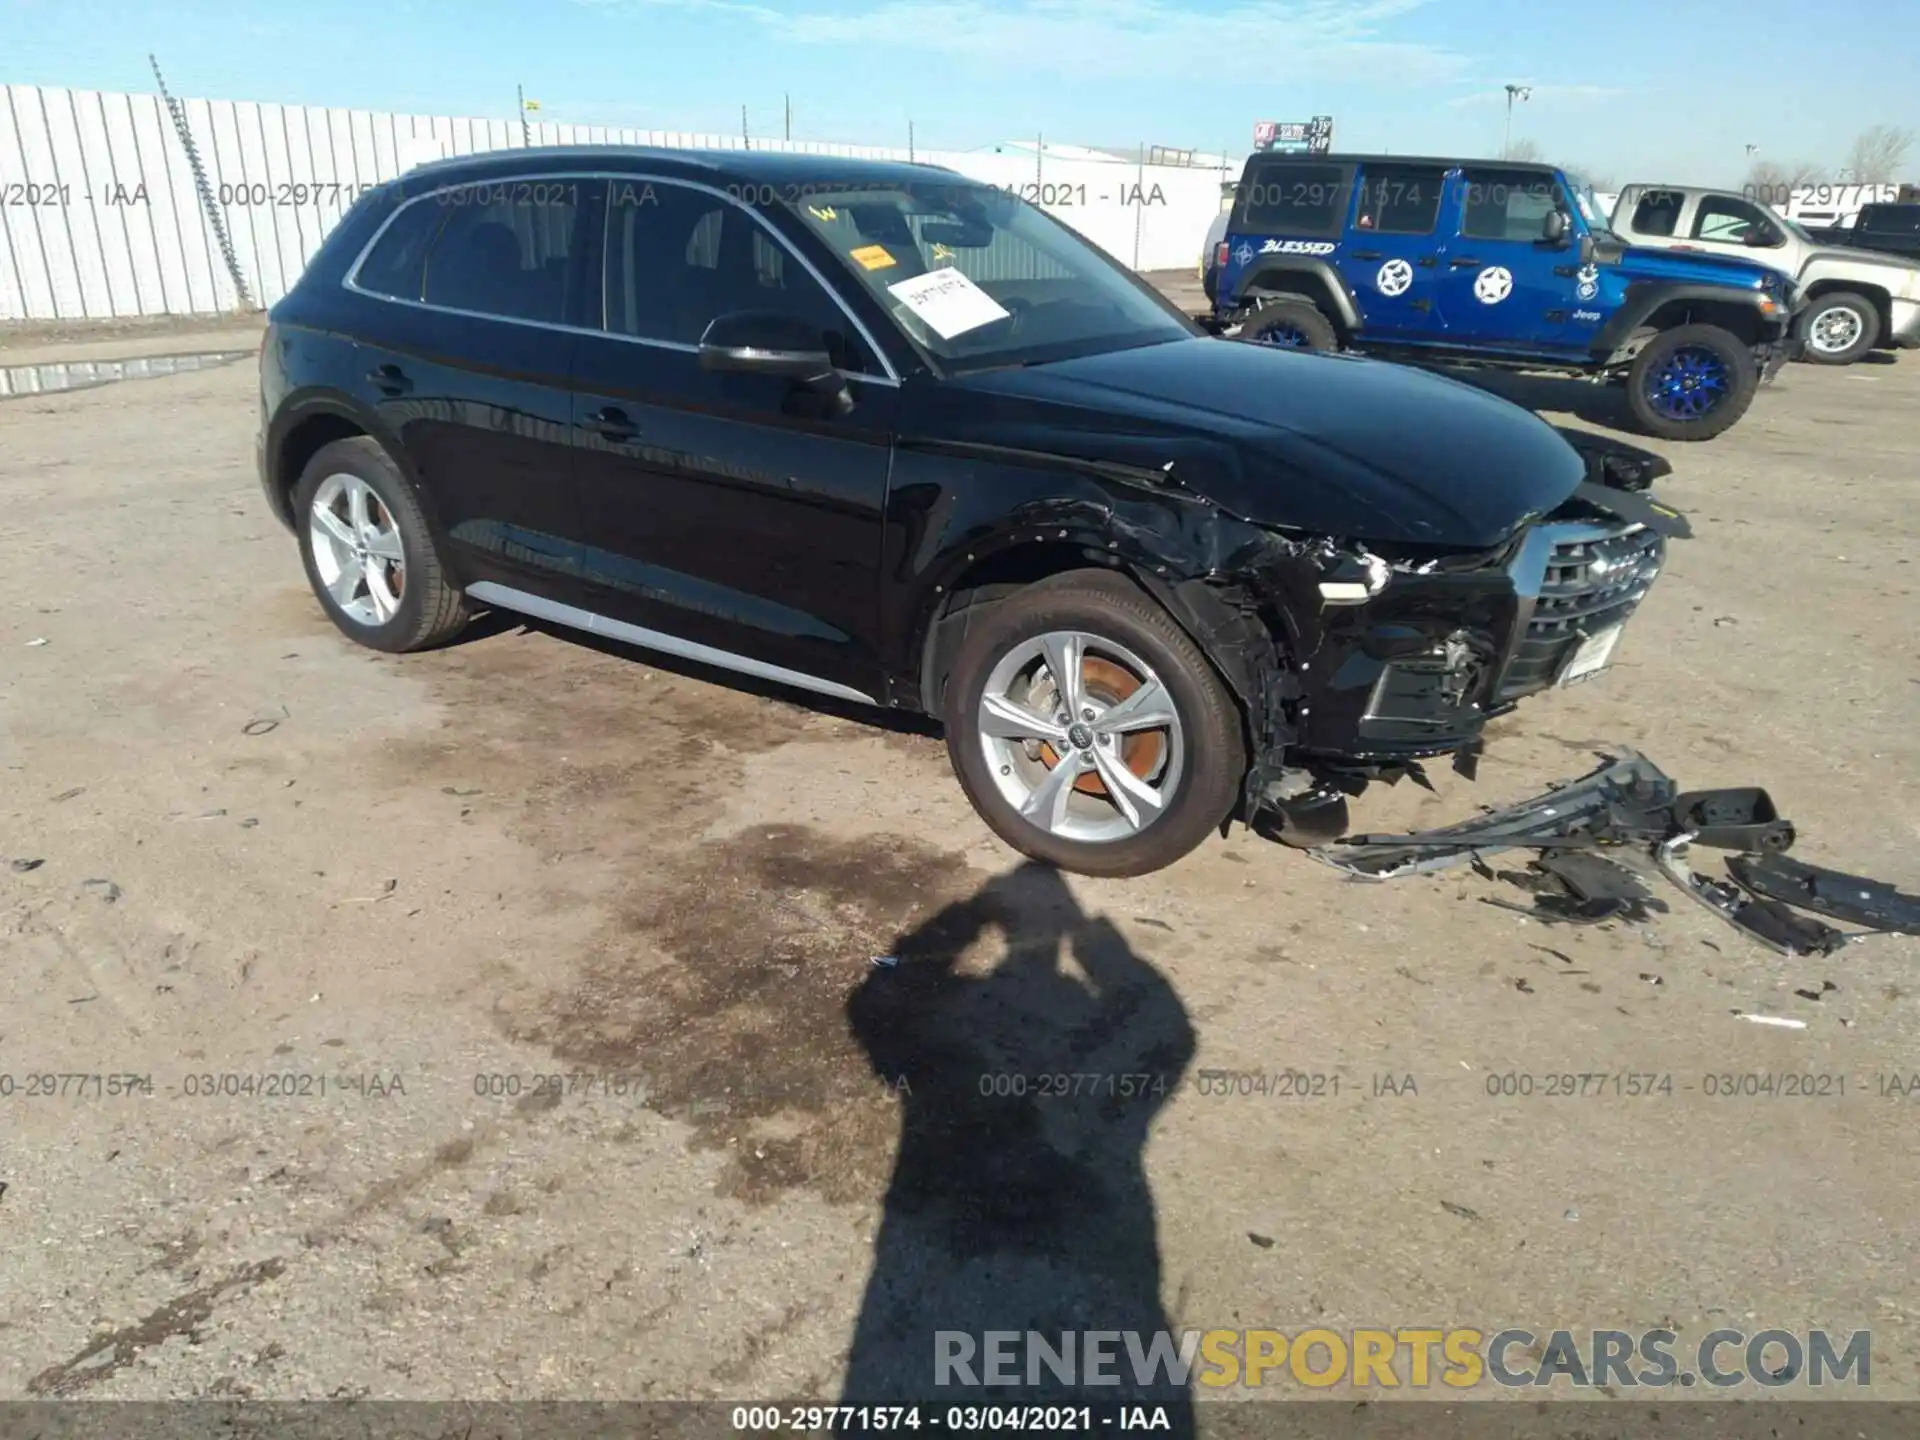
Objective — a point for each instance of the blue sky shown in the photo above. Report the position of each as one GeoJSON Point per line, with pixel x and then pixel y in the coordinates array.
{"type": "Point", "coordinates": [1628, 89]}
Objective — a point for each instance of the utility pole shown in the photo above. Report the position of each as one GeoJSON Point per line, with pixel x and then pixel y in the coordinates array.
{"type": "Point", "coordinates": [788, 99]}
{"type": "Point", "coordinates": [526, 132]}
{"type": "Point", "coordinates": [1514, 92]}
{"type": "Point", "coordinates": [910, 142]}
{"type": "Point", "coordinates": [746, 141]}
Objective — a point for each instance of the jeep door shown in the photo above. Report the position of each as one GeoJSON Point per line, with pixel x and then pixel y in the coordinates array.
{"type": "Point", "coordinates": [462, 304]}
{"type": "Point", "coordinates": [726, 511]}
{"type": "Point", "coordinates": [1391, 261]}
{"type": "Point", "coordinates": [1502, 284]}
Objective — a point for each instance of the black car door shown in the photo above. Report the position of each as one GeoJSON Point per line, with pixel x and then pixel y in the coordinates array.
{"type": "Point", "coordinates": [467, 359]}
{"type": "Point", "coordinates": [726, 517]}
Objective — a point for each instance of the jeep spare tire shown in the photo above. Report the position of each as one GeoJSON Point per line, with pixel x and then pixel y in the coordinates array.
{"type": "Point", "coordinates": [1838, 328]}
{"type": "Point", "coordinates": [1691, 382]}
{"type": "Point", "coordinates": [1290, 325]}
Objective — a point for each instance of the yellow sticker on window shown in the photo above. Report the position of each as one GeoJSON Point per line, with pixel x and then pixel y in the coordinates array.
{"type": "Point", "coordinates": [941, 252]}
{"type": "Point", "coordinates": [873, 257]}
{"type": "Point", "coordinates": [823, 212]}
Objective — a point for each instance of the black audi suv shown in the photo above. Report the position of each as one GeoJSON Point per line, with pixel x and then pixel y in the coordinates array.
{"type": "Point", "coordinates": [880, 432]}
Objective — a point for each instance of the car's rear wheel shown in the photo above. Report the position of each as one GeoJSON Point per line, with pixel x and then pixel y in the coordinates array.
{"type": "Point", "coordinates": [370, 555]}
{"type": "Point", "coordinates": [1088, 729]}
{"type": "Point", "coordinates": [1838, 328]}
{"type": "Point", "coordinates": [1691, 382]}
{"type": "Point", "coordinates": [1291, 325]}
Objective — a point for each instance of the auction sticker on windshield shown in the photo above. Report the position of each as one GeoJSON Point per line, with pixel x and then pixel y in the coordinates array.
{"type": "Point", "coordinates": [873, 257]}
{"type": "Point", "coordinates": [947, 302]}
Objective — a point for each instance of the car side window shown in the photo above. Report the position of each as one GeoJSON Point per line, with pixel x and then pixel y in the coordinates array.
{"type": "Point", "coordinates": [1657, 213]}
{"type": "Point", "coordinates": [1734, 222]}
{"type": "Point", "coordinates": [1294, 199]}
{"type": "Point", "coordinates": [397, 265]}
{"type": "Point", "coordinates": [1509, 204]}
{"type": "Point", "coordinates": [505, 249]}
{"type": "Point", "coordinates": [1400, 199]}
{"type": "Point", "coordinates": [678, 258]}
{"type": "Point", "coordinates": [1890, 219]}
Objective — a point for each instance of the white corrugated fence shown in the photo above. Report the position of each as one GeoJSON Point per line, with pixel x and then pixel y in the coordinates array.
{"type": "Point", "coordinates": [100, 216]}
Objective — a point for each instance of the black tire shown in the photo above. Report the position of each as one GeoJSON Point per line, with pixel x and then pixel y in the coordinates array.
{"type": "Point", "coordinates": [1301, 319]}
{"type": "Point", "coordinates": [1735, 358]}
{"type": "Point", "coordinates": [1210, 284]}
{"type": "Point", "coordinates": [1865, 323]}
{"type": "Point", "coordinates": [1109, 607]}
{"type": "Point", "coordinates": [431, 610]}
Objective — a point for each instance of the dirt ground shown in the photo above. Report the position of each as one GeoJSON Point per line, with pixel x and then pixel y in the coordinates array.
{"type": "Point", "coordinates": [234, 845]}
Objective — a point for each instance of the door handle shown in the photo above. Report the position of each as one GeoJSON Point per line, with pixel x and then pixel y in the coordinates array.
{"type": "Point", "coordinates": [611, 423]}
{"type": "Point", "coordinates": [1462, 263]}
{"type": "Point", "coordinates": [1427, 261]}
{"type": "Point", "coordinates": [389, 380]}
{"type": "Point", "coordinates": [1366, 254]}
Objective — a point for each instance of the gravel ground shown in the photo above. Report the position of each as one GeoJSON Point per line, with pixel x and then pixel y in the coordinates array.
{"type": "Point", "coordinates": [414, 886]}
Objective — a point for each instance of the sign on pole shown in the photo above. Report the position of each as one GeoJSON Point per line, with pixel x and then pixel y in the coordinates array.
{"type": "Point", "coordinates": [1295, 137]}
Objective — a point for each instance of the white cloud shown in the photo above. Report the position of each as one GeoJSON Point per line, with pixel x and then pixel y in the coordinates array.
{"type": "Point", "coordinates": [1255, 41]}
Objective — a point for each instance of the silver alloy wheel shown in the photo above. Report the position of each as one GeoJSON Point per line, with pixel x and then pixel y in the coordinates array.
{"type": "Point", "coordinates": [1081, 737]}
{"type": "Point", "coordinates": [357, 549]}
{"type": "Point", "coordinates": [1835, 330]}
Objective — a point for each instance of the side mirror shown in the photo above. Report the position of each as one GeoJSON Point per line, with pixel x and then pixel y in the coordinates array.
{"type": "Point", "coordinates": [765, 343]}
{"type": "Point", "coordinates": [758, 342]}
{"type": "Point", "coordinates": [1554, 228]}
{"type": "Point", "coordinates": [1760, 238]}
{"type": "Point", "coordinates": [1586, 250]}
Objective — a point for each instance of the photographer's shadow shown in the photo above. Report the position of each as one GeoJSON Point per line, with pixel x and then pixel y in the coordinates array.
{"type": "Point", "coordinates": [1019, 1201]}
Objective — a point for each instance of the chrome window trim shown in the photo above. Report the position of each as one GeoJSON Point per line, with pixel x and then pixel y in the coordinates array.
{"type": "Point", "coordinates": [351, 280]}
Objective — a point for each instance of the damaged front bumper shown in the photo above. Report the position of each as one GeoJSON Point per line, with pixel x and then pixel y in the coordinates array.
{"type": "Point", "coordinates": [1417, 669]}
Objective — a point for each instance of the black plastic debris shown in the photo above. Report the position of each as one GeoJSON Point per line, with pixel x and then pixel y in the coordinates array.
{"type": "Point", "coordinates": [1850, 899]}
{"type": "Point", "coordinates": [1596, 840]}
{"type": "Point", "coordinates": [22, 867]}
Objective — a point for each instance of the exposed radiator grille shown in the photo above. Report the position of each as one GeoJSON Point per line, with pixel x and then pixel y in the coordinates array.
{"type": "Point", "coordinates": [1592, 579]}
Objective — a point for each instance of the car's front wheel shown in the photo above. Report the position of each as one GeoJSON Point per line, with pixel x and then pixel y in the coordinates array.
{"type": "Point", "coordinates": [1088, 729]}
{"type": "Point", "coordinates": [1691, 382]}
{"type": "Point", "coordinates": [370, 554]}
{"type": "Point", "coordinates": [1838, 328]}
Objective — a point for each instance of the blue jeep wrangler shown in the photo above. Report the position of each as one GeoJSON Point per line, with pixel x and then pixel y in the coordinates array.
{"type": "Point", "coordinates": [1495, 263]}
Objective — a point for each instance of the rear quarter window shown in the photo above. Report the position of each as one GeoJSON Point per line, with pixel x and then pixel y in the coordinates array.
{"type": "Point", "coordinates": [396, 266]}
{"type": "Point", "coordinates": [1288, 199]}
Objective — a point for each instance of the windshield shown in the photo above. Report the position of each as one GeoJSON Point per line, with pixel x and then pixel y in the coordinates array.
{"type": "Point", "coordinates": [1590, 211]}
{"type": "Point", "coordinates": [978, 278]}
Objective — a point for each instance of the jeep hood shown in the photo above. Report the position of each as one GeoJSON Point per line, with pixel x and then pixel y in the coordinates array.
{"type": "Point", "coordinates": [1327, 444]}
{"type": "Point", "coordinates": [1647, 263]}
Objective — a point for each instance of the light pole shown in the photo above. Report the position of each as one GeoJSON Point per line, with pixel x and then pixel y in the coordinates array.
{"type": "Point", "coordinates": [1514, 92]}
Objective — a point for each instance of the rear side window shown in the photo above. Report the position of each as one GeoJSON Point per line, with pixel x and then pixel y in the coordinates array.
{"type": "Point", "coordinates": [1891, 219]}
{"type": "Point", "coordinates": [1400, 199]}
{"type": "Point", "coordinates": [1658, 212]}
{"type": "Point", "coordinates": [505, 249]}
{"type": "Point", "coordinates": [1294, 200]}
{"type": "Point", "coordinates": [1508, 204]}
{"type": "Point", "coordinates": [397, 264]}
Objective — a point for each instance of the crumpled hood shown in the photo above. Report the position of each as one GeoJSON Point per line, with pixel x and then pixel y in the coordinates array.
{"type": "Point", "coordinates": [1330, 444]}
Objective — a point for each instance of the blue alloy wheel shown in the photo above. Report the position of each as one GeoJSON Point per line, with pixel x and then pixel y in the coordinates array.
{"type": "Point", "coordinates": [1689, 386]}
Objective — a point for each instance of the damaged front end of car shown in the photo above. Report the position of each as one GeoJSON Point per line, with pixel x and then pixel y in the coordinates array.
{"type": "Point", "coordinates": [1379, 657]}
